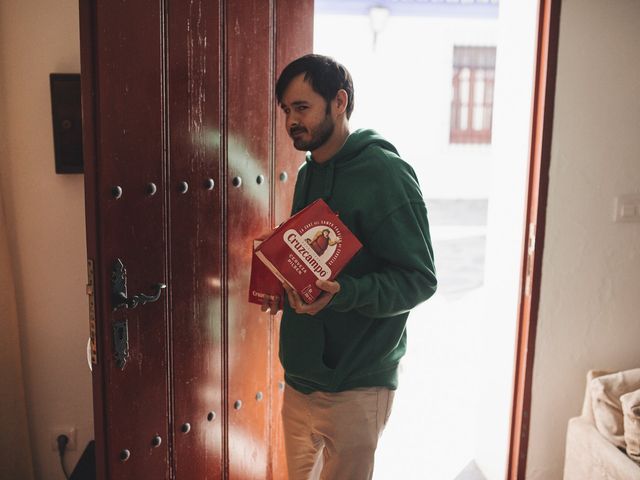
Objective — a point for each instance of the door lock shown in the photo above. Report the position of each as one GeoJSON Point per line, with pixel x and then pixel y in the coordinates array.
{"type": "Point", "coordinates": [119, 298]}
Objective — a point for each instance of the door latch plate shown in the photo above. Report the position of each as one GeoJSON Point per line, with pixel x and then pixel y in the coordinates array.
{"type": "Point", "coordinates": [121, 342]}
{"type": "Point", "coordinates": [91, 288]}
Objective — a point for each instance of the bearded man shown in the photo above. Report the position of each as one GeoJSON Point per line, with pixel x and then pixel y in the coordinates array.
{"type": "Point", "coordinates": [341, 353]}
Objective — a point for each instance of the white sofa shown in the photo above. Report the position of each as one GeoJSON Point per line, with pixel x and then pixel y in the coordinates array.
{"type": "Point", "coordinates": [589, 455]}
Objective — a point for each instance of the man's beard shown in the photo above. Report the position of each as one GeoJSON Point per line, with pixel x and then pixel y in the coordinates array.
{"type": "Point", "coordinates": [319, 136]}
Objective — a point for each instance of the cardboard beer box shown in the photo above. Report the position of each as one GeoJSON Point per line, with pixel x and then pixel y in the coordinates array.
{"type": "Point", "coordinates": [313, 244]}
{"type": "Point", "coordinates": [262, 281]}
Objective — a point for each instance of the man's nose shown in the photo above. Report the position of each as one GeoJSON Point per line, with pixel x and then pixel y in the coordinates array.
{"type": "Point", "coordinates": [292, 120]}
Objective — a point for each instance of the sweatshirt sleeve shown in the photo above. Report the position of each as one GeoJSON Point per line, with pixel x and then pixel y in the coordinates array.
{"type": "Point", "coordinates": [407, 277]}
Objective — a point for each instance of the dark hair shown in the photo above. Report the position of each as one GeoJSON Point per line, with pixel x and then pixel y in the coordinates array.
{"type": "Point", "coordinates": [324, 74]}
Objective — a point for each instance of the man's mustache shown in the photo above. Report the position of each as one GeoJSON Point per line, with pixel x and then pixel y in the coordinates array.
{"type": "Point", "coordinates": [295, 130]}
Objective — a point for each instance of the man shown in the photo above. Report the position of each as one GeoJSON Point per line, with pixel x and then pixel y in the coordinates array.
{"type": "Point", "coordinates": [322, 241]}
{"type": "Point", "coordinates": [341, 353]}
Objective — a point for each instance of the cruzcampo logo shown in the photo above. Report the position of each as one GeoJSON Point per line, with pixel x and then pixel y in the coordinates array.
{"type": "Point", "coordinates": [309, 252]}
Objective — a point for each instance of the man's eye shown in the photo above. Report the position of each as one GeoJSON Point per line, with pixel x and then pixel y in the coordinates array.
{"type": "Point", "coordinates": [301, 108]}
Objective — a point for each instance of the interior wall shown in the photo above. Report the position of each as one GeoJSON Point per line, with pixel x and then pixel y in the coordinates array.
{"type": "Point", "coordinates": [591, 266]}
{"type": "Point", "coordinates": [15, 448]}
{"type": "Point", "coordinates": [45, 220]}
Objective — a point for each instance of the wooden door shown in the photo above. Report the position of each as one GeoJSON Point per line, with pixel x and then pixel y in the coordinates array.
{"type": "Point", "coordinates": [181, 132]}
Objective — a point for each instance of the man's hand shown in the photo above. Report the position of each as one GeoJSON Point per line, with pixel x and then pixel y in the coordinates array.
{"type": "Point", "coordinates": [330, 289]}
{"type": "Point", "coordinates": [271, 303]}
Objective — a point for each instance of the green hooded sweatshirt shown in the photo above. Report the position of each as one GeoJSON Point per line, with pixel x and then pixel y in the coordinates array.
{"type": "Point", "coordinates": [359, 338]}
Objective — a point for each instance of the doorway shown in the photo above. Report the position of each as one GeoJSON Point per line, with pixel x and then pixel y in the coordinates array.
{"type": "Point", "coordinates": [461, 63]}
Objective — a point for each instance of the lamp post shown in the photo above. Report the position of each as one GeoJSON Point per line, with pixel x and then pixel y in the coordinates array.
{"type": "Point", "coordinates": [378, 16]}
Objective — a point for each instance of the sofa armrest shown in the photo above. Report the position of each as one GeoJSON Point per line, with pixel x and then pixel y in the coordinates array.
{"type": "Point", "coordinates": [590, 456]}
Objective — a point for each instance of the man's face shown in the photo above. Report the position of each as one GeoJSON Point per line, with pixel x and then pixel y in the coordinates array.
{"type": "Point", "coordinates": [308, 122]}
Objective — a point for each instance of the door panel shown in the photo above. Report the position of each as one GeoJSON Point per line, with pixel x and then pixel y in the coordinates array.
{"type": "Point", "coordinates": [195, 294]}
{"type": "Point", "coordinates": [130, 154]}
{"type": "Point", "coordinates": [248, 140]}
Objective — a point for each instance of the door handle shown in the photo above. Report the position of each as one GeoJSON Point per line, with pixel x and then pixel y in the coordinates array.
{"type": "Point", "coordinates": [119, 297]}
{"type": "Point", "coordinates": [141, 298]}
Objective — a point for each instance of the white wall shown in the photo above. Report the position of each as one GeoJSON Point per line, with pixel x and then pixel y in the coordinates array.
{"type": "Point", "coordinates": [45, 216]}
{"type": "Point", "coordinates": [404, 87]}
{"type": "Point", "coordinates": [590, 300]}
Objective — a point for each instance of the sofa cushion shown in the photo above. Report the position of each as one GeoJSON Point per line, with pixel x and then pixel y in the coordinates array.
{"type": "Point", "coordinates": [607, 409]}
{"type": "Point", "coordinates": [631, 412]}
{"type": "Point", "coordinates": [587, 408]}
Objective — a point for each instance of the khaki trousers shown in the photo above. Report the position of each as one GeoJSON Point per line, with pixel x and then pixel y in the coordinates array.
{"type": "Point", "coordinates": [333, 436]}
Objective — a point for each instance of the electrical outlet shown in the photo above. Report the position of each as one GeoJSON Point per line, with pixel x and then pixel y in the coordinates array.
{"type": "Point", "coordinates": [627, 208]}
{"type": "Point", "coordinates": [70, 432]}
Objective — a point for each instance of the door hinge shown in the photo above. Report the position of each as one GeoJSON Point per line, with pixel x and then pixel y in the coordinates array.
{"type": "Point", "coordinates": [92, 310]}
{"type": "Point", "coordinates": [531, 248]}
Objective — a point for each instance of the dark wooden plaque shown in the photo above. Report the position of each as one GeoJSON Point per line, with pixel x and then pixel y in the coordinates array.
{"type": "Point", "coordinates": [67, 122]}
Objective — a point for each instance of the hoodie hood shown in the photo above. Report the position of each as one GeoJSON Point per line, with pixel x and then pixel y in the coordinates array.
{"type": "Point", "coordinates": [356, 143]}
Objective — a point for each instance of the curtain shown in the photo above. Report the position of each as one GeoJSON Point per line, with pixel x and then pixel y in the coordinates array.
{"type": "Point", "coordinates": [15, 449]}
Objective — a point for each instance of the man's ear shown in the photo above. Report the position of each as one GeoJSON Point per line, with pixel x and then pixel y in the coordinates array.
{"type": "Point", "coordinates": [342, 101]}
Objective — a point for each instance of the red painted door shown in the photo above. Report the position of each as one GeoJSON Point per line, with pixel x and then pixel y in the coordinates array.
{"type": "Point", "coordinates": [186, 161]}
